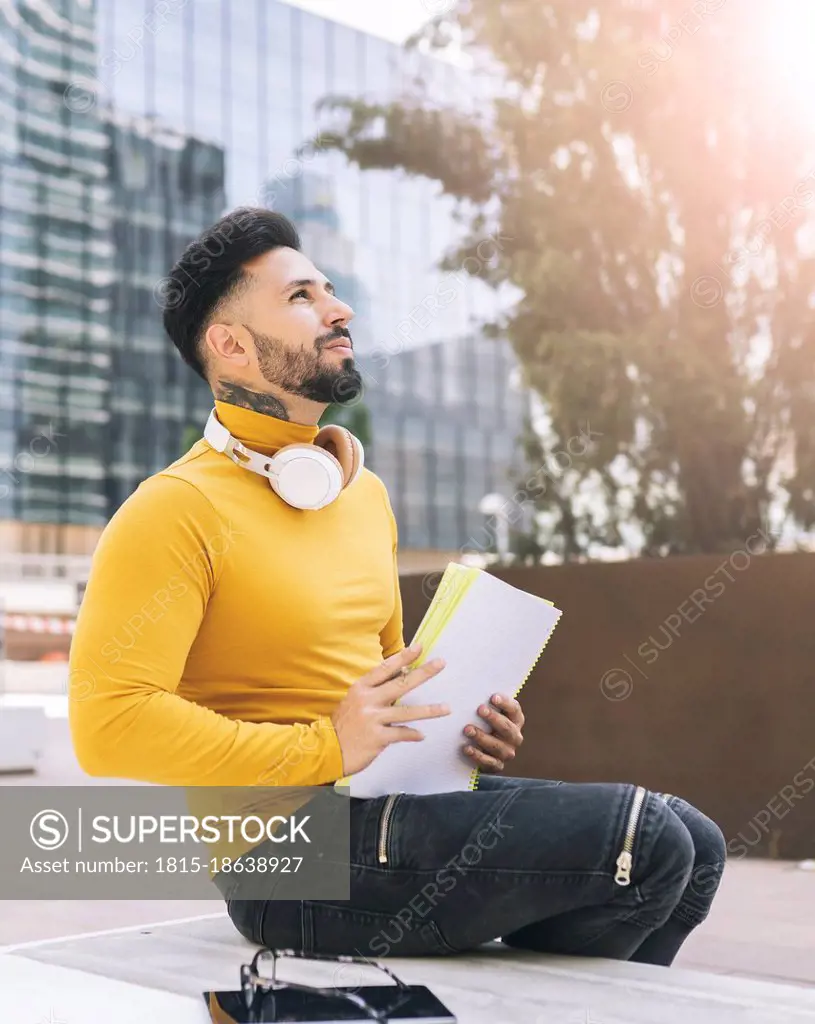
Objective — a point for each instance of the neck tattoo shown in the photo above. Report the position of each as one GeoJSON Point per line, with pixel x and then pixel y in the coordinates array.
{"type": "Point", "coordinates": [244, 398]}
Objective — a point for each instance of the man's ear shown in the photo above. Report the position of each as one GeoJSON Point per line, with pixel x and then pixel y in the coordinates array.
{"type": "Point", "coordinates": [224, 347]}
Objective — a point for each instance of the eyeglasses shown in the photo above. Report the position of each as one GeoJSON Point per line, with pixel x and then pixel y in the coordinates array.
{"type": "Point", "coordinates": [259, 991]}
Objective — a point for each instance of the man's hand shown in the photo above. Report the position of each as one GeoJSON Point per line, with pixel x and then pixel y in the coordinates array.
{"type": "Point", "coordinates": [366, 720]}
{"type": "Point", "coordinates": [491, 750]}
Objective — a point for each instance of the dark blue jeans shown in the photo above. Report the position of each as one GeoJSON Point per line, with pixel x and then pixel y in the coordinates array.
{"type": "Point", "coordinates": [591, 869]}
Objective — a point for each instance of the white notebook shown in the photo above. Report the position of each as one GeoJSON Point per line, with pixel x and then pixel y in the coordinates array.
{"type": "Point", "coordinates": [490, 635]}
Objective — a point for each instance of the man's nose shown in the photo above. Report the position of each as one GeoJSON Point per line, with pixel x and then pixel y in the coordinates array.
{"type": "Point", "coordinates": [339, 314]}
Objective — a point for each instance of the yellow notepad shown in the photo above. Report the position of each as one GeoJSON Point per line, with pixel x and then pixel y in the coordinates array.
{"type": "Point", "coordinates": [491, 636]}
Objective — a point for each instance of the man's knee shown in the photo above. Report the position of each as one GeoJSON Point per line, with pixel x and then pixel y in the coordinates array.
{"type": "Point", "coordinates": [243, 914]}
{"type": "Point", "coordinates": [671, 860]}
{"type": "Point", "coordinates": [709, 846]}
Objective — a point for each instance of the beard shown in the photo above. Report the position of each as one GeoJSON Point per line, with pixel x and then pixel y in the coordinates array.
{"type": "Point", "coordinates": [304, 373]}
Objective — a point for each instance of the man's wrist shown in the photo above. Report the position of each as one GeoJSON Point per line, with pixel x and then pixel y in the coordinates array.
{"type": "Point", "coordinates": [333, 750]}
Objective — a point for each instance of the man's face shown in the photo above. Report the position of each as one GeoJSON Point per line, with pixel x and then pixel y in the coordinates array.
{"type": "Point", "coordinates": [299, 328]}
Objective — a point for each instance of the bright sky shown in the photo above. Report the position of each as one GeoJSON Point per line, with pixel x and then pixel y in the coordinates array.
{"type": "Point", "coordinates": [390, 19]}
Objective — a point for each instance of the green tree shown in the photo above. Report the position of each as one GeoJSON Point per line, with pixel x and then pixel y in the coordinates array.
{"type": "Point", "coordinates": [189, 436]}
{"type": "Point", "coordinates": [355, 417]}
{"type": "Point", "coordinates": [632, 160]}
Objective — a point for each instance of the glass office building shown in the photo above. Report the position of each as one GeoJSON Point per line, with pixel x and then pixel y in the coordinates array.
{"type": "Point", "coordinates": [165, 188]}
{"type": "Point", "coordinates": [55, 272]}
{"type": "Point", "coordinates": [228, 88]}
{"type": "Point", "coordinates": [443, 425]}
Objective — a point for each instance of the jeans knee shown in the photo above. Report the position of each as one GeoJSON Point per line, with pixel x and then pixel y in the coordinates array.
{"type": "Point", "coordinates": [671, 860]}
{"type": "Point", "coordinates": [710, 855]}
{"type": "Point", "coordinates": [243, 915]}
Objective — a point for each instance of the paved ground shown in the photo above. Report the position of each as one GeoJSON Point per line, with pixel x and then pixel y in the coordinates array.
{"type": "Point", "coordinates": [762, 924]}
{"type": "Point", "coordinates": [493, 985]}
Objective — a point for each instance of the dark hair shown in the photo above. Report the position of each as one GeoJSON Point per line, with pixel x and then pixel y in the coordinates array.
{"type": "Point", "coordinates": [211, 270]}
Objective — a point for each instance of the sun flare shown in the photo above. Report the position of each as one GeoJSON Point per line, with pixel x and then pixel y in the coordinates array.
{"type": "Point", "coordinates": [788, 44]}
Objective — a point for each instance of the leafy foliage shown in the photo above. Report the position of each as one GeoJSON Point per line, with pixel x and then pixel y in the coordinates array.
{"type": "Point", "coordinates": [635, 157]}
{"type": "Point", "coordinates": [355, 417]}
{"type": "Point", "coordinates": [190, 435]}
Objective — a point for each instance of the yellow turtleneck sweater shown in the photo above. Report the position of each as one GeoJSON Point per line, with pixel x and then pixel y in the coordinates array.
{"type": "Point", "coordinates": [221, 627]}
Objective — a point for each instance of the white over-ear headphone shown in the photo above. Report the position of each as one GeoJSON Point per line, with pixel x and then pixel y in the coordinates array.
{"type": "Point", "coordinates": [306, 476]}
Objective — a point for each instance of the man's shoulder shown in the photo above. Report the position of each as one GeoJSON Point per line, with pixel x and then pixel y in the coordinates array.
{"type": "Point", "coordinates": [171, 494]}
{"type": "Point", "coordinates": [373, 478]}
{"type": "Point", "coordinates": [375, 483]}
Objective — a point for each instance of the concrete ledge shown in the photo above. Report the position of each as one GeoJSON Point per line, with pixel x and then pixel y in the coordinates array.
{"type": "Point", "coordinates": [494, 985]}
{"type": "Point", "coordinates": [37, 993]}
{"type": "Point", "coordinates": [22, 738]}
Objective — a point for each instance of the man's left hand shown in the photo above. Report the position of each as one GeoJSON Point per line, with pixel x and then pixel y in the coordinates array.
{"type": "Point", "coordinates": [491, 750]}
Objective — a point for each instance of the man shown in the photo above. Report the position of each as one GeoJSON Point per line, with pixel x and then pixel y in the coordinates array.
{"type": "Point", "coordinates": [229, 638]}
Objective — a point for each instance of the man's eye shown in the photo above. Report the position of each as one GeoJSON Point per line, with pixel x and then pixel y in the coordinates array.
{"type": "Point", "coordinates": [303, 292]}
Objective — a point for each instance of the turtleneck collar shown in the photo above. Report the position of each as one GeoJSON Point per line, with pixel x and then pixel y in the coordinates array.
{"type": "Point", "coordinates": [261, 432]}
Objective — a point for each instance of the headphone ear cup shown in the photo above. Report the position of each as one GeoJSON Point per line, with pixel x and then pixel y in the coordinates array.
{"type": "Point", "coordinates": [345, 448]}
{"type": "Point", "coordinates": [306, 478]}
{"type": "Point", "coordinates": [359, 458]}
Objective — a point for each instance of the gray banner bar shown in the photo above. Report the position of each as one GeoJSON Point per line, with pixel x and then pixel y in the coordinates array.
{"type": "Point", "coordinates": [157, 842]}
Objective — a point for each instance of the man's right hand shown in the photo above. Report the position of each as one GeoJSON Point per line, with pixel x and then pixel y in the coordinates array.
{"type": "Point", "coordinates": [366, 721]}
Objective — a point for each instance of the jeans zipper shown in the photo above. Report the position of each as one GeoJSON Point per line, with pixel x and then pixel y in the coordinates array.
{"type": "Point", "coordinates": [624, 861]}
{"type": "Point", "coordinates": [384, 828]}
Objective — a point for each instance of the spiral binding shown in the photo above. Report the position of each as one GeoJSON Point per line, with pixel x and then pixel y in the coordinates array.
{"type": "Point", "coordinates": [476, 772]}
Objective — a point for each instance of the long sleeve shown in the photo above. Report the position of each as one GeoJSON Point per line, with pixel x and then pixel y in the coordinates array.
{"type": "Point", "coordinates": [392, 637]}
{"type": "Point", "coordinates": [153, 573]}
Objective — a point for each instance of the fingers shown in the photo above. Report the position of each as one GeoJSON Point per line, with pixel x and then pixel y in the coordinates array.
{"type": "Point", "coordinates": [415, 713]}
{"type": "Point", "coordinates": [490, 744]}
{"type": "Point", "coordinates": [400, 733]}
{"type": "Point", "coordinates": [486, 762]}
{"type": "Point", "coordinates": [509, 708]}
{"type": "Point", "coordinates": [405, 682]}
{"type": "Point", "coordinates": [502, 726]}
{"type": "Point", "coordinates": [393, 665]}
